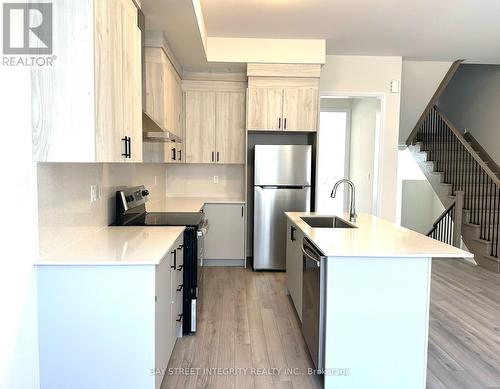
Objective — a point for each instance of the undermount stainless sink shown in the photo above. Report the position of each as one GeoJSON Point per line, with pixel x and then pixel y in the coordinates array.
{"type": "Point", "coordinates": [326, 222]}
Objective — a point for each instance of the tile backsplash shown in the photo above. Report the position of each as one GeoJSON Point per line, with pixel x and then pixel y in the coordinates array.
{"type": "Point", "coordinates": [65, 210]}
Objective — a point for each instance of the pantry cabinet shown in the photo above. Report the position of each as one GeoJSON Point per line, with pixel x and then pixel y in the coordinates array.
{"type": "Point", "coordinates": [214, 125]}
{"type": "Point", "coordinates": [87, 106]}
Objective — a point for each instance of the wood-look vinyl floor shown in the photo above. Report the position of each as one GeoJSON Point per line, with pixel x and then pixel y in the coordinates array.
{"type": "Point", "coordinates": [247, 321]}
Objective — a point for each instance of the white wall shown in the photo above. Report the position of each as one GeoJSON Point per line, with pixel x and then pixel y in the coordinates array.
{"type": "Point", "coordinates": [18, 250]}
{"type": "Point", "coordinates": [418, 204]}
{"type": "Point", "coordinates": [362, 149]}
{"type": "Point", "coordinates": [420, 79]}
{"type": "Point", "coordinates": [197, 180]}
{"type": "Point", "coordinates": [359, 75]}
{"type": "Point", "coordinates": [65, 211]}
{"type": "Point", "coordinates": [472, 102]}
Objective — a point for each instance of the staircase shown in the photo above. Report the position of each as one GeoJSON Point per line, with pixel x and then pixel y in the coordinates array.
{"type": "Point", "coordinates": [466, 183]}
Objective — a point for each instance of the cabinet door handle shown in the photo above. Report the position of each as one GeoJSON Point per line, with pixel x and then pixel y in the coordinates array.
{"type": "Point", "coordinates": [213, 156]}
{"type": "Point", "coordinates": [179, 317]}
{"type": "Point", "coordinates": [174, 252]}
{"type": "Point", "coordinates": [129, 147]}
{"type": "Point", "coordinates": [126, 141]}
{"type": "Point", "coordinates": [284, 123]}
{"type": "Point", "coordinates": [172, 154]}
{"type": "Point", "coordinates": [217, 156]}
{"type": "Point", "coordinates": [292, 234]}
{"type": "Point", "coordinates": [180, 155]}
{"type": "Point", "coordinates": [242, 211]}
{"type": "Point", "coordinates": [279, 123]}
{"type": "Point", "coordinates": [180, 267]}
{"type": "Point", "coordinates": [180, 287]}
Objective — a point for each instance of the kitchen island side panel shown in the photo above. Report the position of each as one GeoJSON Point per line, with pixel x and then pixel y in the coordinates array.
{"type": "Point", "coordinates": [96, 326]}
{"type": "Point", "coordinates": [377, 320]}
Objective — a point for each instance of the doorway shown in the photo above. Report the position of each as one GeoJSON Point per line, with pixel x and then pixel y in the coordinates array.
{"type": "Point", "coordinates": [333, 157]}
{"type": "Point", "coordinates": [348, 147]}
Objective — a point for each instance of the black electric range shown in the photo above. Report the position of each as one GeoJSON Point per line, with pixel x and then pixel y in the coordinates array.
{"type": "Point", "coordinates": [131, 211]}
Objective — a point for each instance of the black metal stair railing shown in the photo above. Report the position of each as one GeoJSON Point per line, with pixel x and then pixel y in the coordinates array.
{"type": "Point", "coordinates": [448, 227]}
{"type": "Point", "coordinates": [463, 168]}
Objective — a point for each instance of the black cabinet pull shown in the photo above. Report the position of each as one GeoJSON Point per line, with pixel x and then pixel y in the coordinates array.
{"type": "Point", "coordinates": [180, 155]}
{"type": "Point", "coordinates": [127, 153]}
{"type": "Point", "coordinates": [180, 267]}
{"type": "Point", "coordinates": [292, 234]}
{"type": "Point", "coordinates": [175, 259]}
{"type": "Point", "coordinates": [284, 123]}
{"type": "Point", "coordinates": [172, 154]}
{"type": "Point", "coordinates": [181, 246]}
{"type": "Point", "coordinates": [242, 211]}
{"type": "Point", "coordinates": [213, 156]}
{"type": "Point", "coordinates": [179, 317]}
{"type": "Point", "coordinates": [279, 123]}
{"type": "Point", "coordinates": [217, 156]}
{"type": "Point", "coordinates": [179, 288]}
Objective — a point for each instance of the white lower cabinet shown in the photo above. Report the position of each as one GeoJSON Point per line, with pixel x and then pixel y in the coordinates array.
{"type": "Point", "coordinates": [224, 243]}
{"type": "Point", "coordinates": [294, 238]}
{"type": "Point", "coordinates": [102, 319]}
{"type": "Point", "coordinates": [168, 312]}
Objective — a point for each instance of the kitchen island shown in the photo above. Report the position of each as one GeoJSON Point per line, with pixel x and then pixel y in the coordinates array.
{"type": "Point", "coordinates": [372, 289]}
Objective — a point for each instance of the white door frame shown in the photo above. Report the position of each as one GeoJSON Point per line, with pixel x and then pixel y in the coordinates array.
{"type": "Point", "coordinates": [347, 152]}
{"type": "Point", "coordinates": [378, 155]}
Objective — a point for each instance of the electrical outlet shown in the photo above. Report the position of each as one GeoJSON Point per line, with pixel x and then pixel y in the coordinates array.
{"type": "Point", "coordinates": [95, 192]}
{"type": "Point", "coordinates": [216, 179]}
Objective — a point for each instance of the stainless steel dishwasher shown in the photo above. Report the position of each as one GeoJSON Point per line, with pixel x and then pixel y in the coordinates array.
{"type": "Point", "coordinates": [313, 301]}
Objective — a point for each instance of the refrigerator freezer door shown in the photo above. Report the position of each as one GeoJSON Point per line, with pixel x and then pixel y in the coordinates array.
{"type": "Point", "coordinates": [270, 223]}
{"type": "Point", "coordinates": [282, 165]}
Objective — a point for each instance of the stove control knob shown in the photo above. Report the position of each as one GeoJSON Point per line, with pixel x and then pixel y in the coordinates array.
{"type": "Point", "coordinates": [129, 198]}
{"type": "Point", "coordinates": [145, 192]}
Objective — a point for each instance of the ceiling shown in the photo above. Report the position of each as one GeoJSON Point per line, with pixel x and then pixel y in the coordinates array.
{"type": "Point", "coordinates": [177, 20]}
{"type": "Point", "coordinates": [419, 29]}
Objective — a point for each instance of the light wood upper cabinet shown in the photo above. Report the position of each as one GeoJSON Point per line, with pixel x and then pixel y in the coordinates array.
{"type": "Point", "coordinates": [163, 104]}
{"type": "Point", "coordinates": [289, 108]}
{"type": "Point", "coordinates": [214, 123]}
{"type": "Point", "coordinates": [283, 97]}
{"type": "Point", "coordinates": [200, 127]}
{"type": "Point", "coordinates": [87, 106]}
{"type": "Point", "coordinates": [230, 127]}
{"type": "Point", "coordinates": [300, 109]}
{"type": "Point", "coordinates": [265, 108]}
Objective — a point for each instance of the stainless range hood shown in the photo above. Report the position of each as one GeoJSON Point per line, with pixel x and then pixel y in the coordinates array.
{"type": "Point", "coordinates": [153, 132]}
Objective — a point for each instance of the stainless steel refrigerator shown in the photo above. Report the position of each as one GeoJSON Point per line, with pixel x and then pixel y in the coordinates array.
{"type": "Point", "coordinates": [282, 183]}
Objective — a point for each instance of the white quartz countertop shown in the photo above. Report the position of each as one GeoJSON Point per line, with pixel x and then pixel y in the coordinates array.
{"type": "Point", "coordinates": [374, 237]}
{"type": "Point", "coordinates": [118, 246]}
{"type": "Point", "coordinates": [188, 204]}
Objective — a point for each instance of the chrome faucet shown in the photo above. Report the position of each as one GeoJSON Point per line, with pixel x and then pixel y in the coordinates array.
{"type": "Point", "coordinates": [352, 209]}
